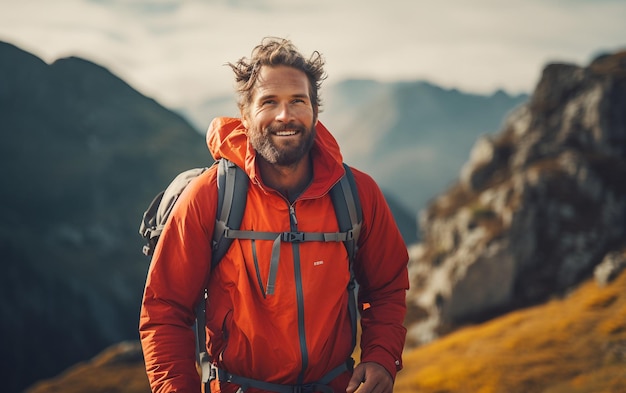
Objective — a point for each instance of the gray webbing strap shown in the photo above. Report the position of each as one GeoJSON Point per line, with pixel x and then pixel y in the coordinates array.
{"type": "Point", "coordinates": [229, 178]}
{"type": "Point", "coordinates": [319, 386]}
{"type": "Point", "coordinates": [344, 196]}
{"type": "Point", "coordinates": [226, 173]}
{"type": "Point", "coordinates": [232, 184]}
{"type": "Point", "coordinates": [352, 209]}
{"type": "Point", "coordinates": [229, 191]}
{"type": "Point", "coordinates": [277, 238]}
{"type": "Point", "coordinates": [289, 237]}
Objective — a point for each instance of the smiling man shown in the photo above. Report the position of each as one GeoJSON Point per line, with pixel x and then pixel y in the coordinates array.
{"type": "Point", "coordinates": [278, 315]}
{"type": "Point", "coordinates": [280, 120]}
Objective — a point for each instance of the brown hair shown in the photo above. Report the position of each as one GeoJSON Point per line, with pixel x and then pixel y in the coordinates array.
{"type": "Point", "coordinates": [276, 52]}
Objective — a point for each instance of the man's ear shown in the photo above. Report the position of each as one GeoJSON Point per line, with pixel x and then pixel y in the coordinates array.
{"type": "Point", "coordinates": [244, 119]}
{"type": "Point", "coordinates": [316, 110]}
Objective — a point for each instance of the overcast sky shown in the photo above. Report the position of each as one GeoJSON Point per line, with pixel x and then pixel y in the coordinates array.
{"type": "Point", "coordinates": [175, 50]}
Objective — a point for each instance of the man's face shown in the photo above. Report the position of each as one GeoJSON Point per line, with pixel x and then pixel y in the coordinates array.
{"type": "Point", "coordinates": [281, 118]}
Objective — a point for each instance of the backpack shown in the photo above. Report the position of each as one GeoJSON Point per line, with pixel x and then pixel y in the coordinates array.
{"type": "Point", "coordinates": [232, 184]}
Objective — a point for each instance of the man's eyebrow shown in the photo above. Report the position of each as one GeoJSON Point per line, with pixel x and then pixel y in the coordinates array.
{"type": "Point", "coordinates": [270, 96]}
{"type": "Point", "coordinates": [266, 96]}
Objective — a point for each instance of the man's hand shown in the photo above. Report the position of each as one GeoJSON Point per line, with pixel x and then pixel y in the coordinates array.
{"type": "Point", "coordinates": [374, 377]}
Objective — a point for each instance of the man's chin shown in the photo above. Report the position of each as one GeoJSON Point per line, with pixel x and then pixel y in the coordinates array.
{"type": "Point", "coordinates": [288, 160]}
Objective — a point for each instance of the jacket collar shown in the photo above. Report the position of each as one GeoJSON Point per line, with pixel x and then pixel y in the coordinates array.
{"type": "Point", "coordinates": [227, 138]}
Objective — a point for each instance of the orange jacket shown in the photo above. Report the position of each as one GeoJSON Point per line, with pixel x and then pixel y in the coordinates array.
{"type": "Point", "coordinates": [303, 330]}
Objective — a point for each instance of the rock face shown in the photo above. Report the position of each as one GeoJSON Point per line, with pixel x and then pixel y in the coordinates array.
{"type": "Point", "coordinates": [535, 209]}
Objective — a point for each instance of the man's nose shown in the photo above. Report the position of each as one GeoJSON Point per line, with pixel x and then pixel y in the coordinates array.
{"type": "Point", "coordinates": [285, 112]}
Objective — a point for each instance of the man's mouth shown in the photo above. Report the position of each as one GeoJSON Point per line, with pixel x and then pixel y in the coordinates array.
{"type": "Point", "coordinates": [286, 133]}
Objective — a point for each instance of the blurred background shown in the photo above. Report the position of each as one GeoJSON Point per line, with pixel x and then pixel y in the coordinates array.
{"type": "Point", "coordinates": [102, 102]}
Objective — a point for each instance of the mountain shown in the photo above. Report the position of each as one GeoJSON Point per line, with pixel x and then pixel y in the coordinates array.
{"type": "Point", "coordinates": [82, 154]}
{"type": "Point", "coordinates": [412, 137]}
{"type": "Point", "coordinates": [537, 207]}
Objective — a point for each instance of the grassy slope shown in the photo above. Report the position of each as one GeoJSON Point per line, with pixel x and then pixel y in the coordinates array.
{"type": "Point", "coordinates": [574, 345]}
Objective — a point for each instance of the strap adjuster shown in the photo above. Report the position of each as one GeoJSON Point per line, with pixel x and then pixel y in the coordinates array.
{"type": "Point", "coordinates": [293, 237]}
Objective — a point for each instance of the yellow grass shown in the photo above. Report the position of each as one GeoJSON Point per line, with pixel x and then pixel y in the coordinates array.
{"type": "Point", "coordinates": [571, 345]}
{"type": "Point", "coordinates": [107, 373]}
{"type": "Point", "coordinates": [576, 344]}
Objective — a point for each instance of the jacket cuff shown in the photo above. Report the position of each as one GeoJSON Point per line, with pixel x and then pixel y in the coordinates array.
{"type": "Point", "coordinates": [391, 363]}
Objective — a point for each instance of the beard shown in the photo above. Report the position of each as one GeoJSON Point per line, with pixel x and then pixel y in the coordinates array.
{"type": "Point", "coordinates": [286, 154]}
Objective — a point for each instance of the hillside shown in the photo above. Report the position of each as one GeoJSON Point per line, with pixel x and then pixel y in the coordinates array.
{"type": "Point", "coordinates": [574, 344]}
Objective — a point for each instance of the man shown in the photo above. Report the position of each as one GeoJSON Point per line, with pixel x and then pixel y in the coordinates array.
{"type": "Point", "coordinates": [295, 331]}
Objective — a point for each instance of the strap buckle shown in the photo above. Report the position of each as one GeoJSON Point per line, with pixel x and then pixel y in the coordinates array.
{"type": "Point", "coordinates": [293, 237]}
{"type": "Point", "coordinates": [306, 388]}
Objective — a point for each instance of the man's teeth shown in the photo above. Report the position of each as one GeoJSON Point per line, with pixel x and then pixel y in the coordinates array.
{"type": "Point", "coordinates": [285, 133]}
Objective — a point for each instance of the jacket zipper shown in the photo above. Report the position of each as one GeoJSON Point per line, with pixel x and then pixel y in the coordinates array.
{"type": "Point", "coordinates": [256, 267]}
{"type": "Point", "coordinates": [299, 294]}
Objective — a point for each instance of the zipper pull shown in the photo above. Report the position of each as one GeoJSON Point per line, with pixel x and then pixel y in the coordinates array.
{"type": "Point", "coordinates": [292, 213]}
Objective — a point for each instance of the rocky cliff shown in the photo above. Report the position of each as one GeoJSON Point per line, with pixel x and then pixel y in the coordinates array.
{"type": "Point", "coordinates": [536, 209]}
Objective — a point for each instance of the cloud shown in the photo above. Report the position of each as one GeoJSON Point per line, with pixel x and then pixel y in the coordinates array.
{"type": "Point", "coordinates": [175, 50]}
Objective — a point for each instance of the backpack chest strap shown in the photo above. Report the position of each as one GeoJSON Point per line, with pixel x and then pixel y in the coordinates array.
{"type": "Point", "coordinates": [289, 237]}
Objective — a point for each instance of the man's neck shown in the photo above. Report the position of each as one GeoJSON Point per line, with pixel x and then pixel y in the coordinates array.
{"type": "Point", "coordinates": [290, 180]}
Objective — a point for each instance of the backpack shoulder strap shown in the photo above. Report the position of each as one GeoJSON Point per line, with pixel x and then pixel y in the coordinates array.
{"type": "Point", "coordinates": [155, 217]}
{"type": "Point", "coordinates": [232, 189]}
{"type": "Point", "coordinates": [345, 197]}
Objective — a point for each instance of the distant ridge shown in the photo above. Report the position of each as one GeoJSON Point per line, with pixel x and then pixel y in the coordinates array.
{"type": "Point", "coordinates": [413, 137]}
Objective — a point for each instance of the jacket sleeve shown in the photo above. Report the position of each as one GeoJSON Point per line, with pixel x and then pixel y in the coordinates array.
{"type": "Point", "coordinates": [176, 277]}
{"type": "Point", "coordinates": [381, 271]}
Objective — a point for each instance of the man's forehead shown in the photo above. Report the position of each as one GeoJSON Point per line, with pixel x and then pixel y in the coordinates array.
{"type": "Point", "coordinates": [273, 80]}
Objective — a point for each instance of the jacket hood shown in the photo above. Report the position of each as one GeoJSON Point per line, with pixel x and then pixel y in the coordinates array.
{"type": "Point", "coordinates": [227, 138]}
